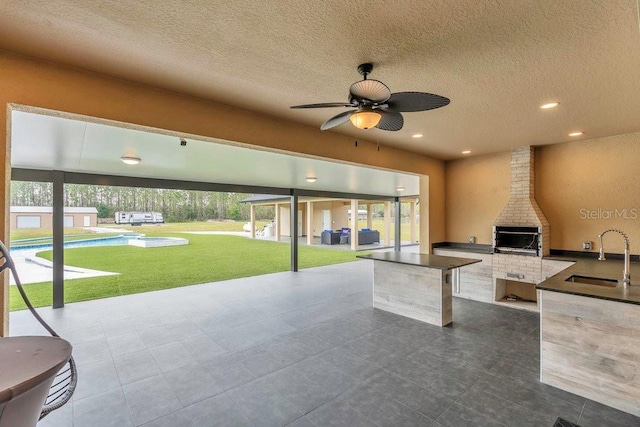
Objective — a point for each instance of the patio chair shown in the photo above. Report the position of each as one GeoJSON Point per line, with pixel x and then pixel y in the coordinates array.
{"type": "Point", "coordinates": [345, 235]}
{"type": "Point", "coordinates": [64, 384]}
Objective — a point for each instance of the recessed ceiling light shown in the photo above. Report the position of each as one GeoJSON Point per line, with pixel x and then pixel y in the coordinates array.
{"type": "Point", "coordinates": [400, 188]}
{"type": "Point", "coordinates": [549, 105]}
{"type": "Point", "coordinates": [466, 152]}
{"type": "Point", "coordinates": [311, 179]}
{"type": "Point", "coordinates": [130, 160]}
{"type": "Point", "coordinates": [417, 135]}
{"type": "Point", "coordinates": [576, 133]}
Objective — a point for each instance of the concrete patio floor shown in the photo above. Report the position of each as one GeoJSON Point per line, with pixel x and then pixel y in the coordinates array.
{"type": "Point", "coordinates": [303, 349]}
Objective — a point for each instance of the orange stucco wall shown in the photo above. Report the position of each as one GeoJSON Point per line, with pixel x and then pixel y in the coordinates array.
{"type": "Point", "coordinates": [583, 188]}
{"type": "Point", "coordinates": [586, 187]}
{"type": "Point", "coordinates": [339, 215]}
{"type": "Point", "coordinates": [33, 82]}
{"type": "Point", "coordinates": [477, 189]}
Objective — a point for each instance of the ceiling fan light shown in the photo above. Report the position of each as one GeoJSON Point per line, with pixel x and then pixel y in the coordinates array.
{"type": "Point", "coordinates": [365, 119]}
{"type": "Point", "coordinates": [130, 160]}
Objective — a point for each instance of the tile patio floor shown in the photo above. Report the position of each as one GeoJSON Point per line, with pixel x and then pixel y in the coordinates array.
{"type": "Point", "coordinates": [303, 349]}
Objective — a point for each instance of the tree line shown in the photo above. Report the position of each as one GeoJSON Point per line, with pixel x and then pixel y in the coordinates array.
{"type": "Point", "coordinates": [175, 205]}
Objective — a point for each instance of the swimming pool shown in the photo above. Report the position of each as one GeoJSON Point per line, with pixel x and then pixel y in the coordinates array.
{"type": "Point", "coordinates": [101, 241]}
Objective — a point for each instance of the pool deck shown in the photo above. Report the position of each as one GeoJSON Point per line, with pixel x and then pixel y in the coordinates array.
{"type": "Point", "coordinates": [32, 269]}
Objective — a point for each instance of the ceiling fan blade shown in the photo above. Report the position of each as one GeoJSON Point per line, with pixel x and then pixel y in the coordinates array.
{"type": "Point", "coordinates": [415, 101]}
{"type": "Point", "coordinates": [337, 120]}
{"type": "Point", "coordinates": [370, 90]}
{"type": "Point", "coordinates": [324, 105]}
{"type": "Point", "coordinates": [390, 120]}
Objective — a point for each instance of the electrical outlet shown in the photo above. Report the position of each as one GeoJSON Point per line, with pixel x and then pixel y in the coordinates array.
{"type": "Point", "coordinates": [472, 240]}
{"type": "Point", "coordinates": [586, 246]}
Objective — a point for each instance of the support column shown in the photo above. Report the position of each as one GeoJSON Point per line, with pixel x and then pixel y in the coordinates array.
{"type": "Point", "coordinates": [425, 215]}
{"type": "Point", "coordinates": [277, 221]}
{"type": "Point", "coordinates": [387, 223]}
{"type": "Point", "coordinates": [369, 219]}
{"type": "Point", "coordinates": [253, 221]}
{"type": "Point", "coordinates": [412, 222]}
{"type": "Point", "coordinates": [5, 234]}
{"type": "Point", "coordinates": [293, 227]}
{"type": "Point", "coordinates": [309, 223]}
{"type": "Point", "coordinates": [58, 239]}
{"type": "Point", "coordinates": [397, 235]}
{"type": "Point", "coordinates": [353, 224]}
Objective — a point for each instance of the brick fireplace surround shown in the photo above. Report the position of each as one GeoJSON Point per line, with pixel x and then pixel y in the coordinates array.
{"type": "Point", "coordinates": [522, 210]}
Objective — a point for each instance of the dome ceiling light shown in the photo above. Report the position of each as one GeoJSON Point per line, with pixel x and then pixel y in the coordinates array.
{"type": "Point", "coordinates": [130, 160]}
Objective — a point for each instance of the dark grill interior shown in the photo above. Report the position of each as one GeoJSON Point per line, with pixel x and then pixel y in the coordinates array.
{"type": "Point", "coordinates": [524, 240]}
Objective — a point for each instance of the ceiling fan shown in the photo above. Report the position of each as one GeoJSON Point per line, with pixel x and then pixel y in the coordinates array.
{"type": "Point", "coordinates": [376, 106]}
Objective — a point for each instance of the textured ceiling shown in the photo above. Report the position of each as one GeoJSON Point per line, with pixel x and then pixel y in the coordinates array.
{"type": "Point", "coordinates": [496, 60]}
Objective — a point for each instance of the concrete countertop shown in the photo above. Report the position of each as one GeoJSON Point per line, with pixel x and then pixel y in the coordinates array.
{"type": "Point", "coordinates": [421, 260]}
{"type": "Point", "coordinates": [591, 267]}
{"type": "Point", "coordinates": [587, 266]}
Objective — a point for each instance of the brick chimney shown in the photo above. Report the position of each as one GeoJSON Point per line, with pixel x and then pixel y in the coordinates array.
{"type": "Point", "coordinates": [522, 209]}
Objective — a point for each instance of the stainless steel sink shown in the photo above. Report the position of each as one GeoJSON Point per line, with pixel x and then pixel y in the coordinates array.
{"type": "Point", "coordinates": [592, 281]}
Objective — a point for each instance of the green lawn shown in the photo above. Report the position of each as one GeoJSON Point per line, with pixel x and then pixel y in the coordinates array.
{"type": "Point", "coordinates": [177, 227]}
{"type": "Point", "coordinates": [377, 224]}
{"type": "Point", "coordinates": [207, 258]}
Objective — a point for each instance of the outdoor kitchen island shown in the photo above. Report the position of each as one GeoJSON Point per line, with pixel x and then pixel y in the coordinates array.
{"type": "Point", "coordinates": [590, 333]}
{"type": "Point", "coordinates": [415, 285]}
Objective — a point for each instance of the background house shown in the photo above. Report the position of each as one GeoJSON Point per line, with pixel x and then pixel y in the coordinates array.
{"type": "Point", "coordinates": [42, 217]}
{"type": "Point", "coordinates": [316, 215]}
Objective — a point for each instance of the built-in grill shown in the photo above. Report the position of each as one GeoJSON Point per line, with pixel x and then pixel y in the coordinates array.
{"type": "Point", "coordinates": [521, 227]}
{"type": "Point", "coordinates": [517, 240]}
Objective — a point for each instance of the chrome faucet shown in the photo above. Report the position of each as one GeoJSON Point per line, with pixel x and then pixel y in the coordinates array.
{"type": "Point", "coordinates": [626, 279]}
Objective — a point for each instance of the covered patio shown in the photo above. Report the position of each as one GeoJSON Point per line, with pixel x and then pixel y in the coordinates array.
{"type": "Point", "coordinates": [317, 215]}
{"type": "Point", "coordinates": [199, 163]}
{"type": "Point", "coordinates": [302, 349]}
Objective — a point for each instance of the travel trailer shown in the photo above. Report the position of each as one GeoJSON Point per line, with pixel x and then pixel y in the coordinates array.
{"type": "Point", "coordinates": [139, 218]}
